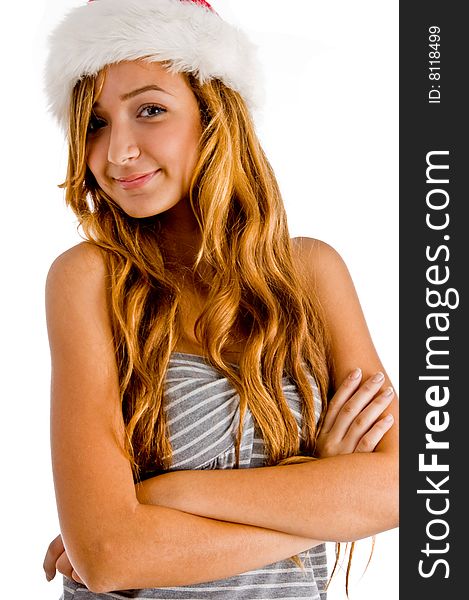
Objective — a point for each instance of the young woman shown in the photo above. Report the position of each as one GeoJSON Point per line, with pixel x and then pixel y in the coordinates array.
{"type": "Point", "coordinates": [217, 404]}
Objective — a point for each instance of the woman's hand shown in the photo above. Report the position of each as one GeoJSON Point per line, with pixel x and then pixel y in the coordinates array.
{"type": "Point", "coordinates": [56, 559]}
{"type": "Point", "coordinates": [353, 421]}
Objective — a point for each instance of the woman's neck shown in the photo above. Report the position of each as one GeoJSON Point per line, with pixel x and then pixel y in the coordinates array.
{"type": "Point", "coordinates": [180, 235]}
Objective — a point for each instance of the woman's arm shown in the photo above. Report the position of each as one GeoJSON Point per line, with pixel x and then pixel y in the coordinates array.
{"type": "Point", "coordinates": [337, 498]}
{"type": "Point", "coordinates": [113, 541]}
{"type": "Point", "coordinates": [347, 427]}
{"type": "Point", "coordinates": [342, 498]}
{"type": "Point", "coordinates": [352, 424]}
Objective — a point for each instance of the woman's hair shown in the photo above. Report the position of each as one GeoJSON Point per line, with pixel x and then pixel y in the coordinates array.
{"type": "Point", "coordinates": [247, 258]}
{"type": "Point", "coordinates": [246, 252]}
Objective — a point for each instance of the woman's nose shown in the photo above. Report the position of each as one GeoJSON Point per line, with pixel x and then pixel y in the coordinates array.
{"type": "Point", "coordinates": [122, 144]}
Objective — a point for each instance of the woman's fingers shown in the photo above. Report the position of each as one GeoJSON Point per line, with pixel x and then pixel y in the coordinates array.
{"type": "Point", "coordinates": [372, 437]}
{"type": "Point", "coordinates": [366, 420]}
{"type": "Point", "coordinates": [341, 396]}
{"type": "Point", "coordinates": [352, 408]}
{"type": "Point", "coordinates": [56, 559]}
{"type": "Point", "coordinates": [64, 566]}
{"type": "Point", "coordinates": [76, 577]}
{"type": "Point", "coordinates": [55, 549]}
{"type": "Point", "coordinates": [351, 419]}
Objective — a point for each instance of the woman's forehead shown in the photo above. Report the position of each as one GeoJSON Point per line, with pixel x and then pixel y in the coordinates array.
{"type": "Point", "coordinates": [119, 80]}
{"type": "Point", "coordinates": [141, 70]}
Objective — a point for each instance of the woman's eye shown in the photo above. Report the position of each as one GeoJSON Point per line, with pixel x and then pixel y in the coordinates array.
{"type": "Point", "coordinates": [95, 123]}
{"type": "Point", "coordinates": [152, 110]}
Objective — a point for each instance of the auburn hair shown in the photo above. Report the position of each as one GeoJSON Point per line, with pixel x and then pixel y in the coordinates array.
{"type": "Point", "coordinates": [249, 275]}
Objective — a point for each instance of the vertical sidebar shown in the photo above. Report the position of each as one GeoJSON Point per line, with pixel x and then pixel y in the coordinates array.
{"type": "Point", "coordinates": [434, 242]}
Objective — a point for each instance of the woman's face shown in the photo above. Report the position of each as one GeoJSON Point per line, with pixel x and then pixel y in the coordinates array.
{"type": "Point", "coordinates": [143, 137]}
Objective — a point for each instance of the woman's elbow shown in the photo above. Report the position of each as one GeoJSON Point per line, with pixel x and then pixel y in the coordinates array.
{"type": "Point", "coordinates": [97, 556]}
{"type": "Point", "coordinates": [93, 564]}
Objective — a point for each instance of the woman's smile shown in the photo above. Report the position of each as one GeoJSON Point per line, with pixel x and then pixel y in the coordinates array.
{"type": "Point", "coordinates": [136, 181]}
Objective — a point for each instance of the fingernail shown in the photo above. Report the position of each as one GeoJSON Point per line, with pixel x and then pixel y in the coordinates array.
{"type": "Point", "coordinates": [388, 391]}
{"type": "Point", "coordinates": [355, 374]}
{"type": "Point", "coordinates": [378, 377]}
{"type": "Point", "coordinates": [388, 418]}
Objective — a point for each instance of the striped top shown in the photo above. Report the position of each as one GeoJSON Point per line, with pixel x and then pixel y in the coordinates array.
{"type": "Point", "coordinates": [202, 411]}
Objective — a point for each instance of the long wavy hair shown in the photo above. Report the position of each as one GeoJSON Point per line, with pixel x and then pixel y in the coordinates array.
{"type": "Point", "coordinates": [249, 276]}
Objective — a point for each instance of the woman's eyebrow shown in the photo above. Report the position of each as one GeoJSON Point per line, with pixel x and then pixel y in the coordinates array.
{"type": "Point", "coordinates": [129, 95]}
{"type": "Point", "coordinates": [138, 91]}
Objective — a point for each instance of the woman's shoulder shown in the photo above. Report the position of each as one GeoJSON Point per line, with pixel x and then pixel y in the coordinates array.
{"type": "Point", "coordinates": [77, 304]}
{"type": "Point", "coordinates": [312, 247]}
{"type": "Point", "coordinates": [81, 263]}
{"type": "Point", "coordinates": [318, 261]}
{"type": "Point", "coordinates": [76, 280]}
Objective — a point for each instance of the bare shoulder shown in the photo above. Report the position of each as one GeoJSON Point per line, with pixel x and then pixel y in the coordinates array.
{"type": "Point", "coordinates": [319, 263]}
{"type": "Point", "coordinates": [82, 262]}
{"type": "Point", "coordinates": [76, 294]}
{"type": "Point", "coordinates": [327, 276]}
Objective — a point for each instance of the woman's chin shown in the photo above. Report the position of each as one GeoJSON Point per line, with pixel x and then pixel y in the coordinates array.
{"type": "Point", "coordinates": [141, 214]}
{"type": "Point", "coordinates": [143, 210]}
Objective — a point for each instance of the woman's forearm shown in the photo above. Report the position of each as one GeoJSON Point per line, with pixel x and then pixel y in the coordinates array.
{"type": "Point", "coordinates": [160, 547]}
{"type": "Point", "coordinates": [340, 498]}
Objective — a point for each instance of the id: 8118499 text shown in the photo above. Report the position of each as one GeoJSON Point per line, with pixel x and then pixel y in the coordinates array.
{"type": "Point", "coordinates": [434, 74]}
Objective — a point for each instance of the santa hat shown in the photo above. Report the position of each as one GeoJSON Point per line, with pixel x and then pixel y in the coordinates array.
{"type": "Point", "coordinates": [187, 33]}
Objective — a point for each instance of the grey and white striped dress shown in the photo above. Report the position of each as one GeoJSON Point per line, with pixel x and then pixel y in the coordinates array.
{"type": "Point", "coordinates": [202, 411]}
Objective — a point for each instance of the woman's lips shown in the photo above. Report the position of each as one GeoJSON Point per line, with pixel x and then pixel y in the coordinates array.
{"type": "Point", "coordinates": [133, 182]}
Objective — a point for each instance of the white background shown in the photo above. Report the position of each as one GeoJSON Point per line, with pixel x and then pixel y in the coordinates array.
{"type": "Point", "coordinates": [330, 129]}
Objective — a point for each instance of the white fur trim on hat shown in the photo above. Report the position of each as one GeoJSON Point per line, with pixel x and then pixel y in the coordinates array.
{"type": "Point", "coordinates": [190, 36]}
